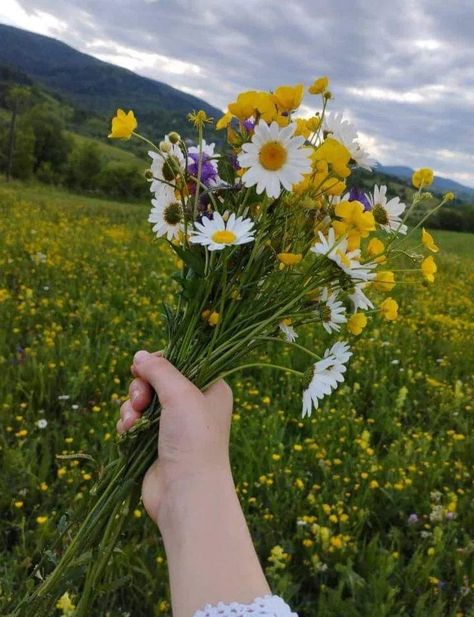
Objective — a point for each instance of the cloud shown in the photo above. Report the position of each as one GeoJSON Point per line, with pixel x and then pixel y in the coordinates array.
{"type": "Point", "coordinates": [402, 71]}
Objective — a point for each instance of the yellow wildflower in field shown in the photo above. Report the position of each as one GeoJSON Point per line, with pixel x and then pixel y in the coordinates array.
{"type": "Point", "coordinates": [18, 504]}
{"type": "Point", "coordinates": [422, 177]}
{"type": "Point", "coordinates": [123, 125]}
{"type": "Point", "coordinates": [319, 85]}
{"type": "Point", "coordinates": [384, 280]}
{"type": "Point", "coordinates": [389, 309]}
{"type": "Point", "coordinates": [428, 241]}
{"type": "Point", "coordinates": [289, 259]}
{"type": "Point", "coordinates": [356, 323]}
{"type": "Point", "coordinates": [429, 269]}
{"type": "Point", "coordinates": [41, 520]}
{"type": "Point", "coordinates": [66, 605]}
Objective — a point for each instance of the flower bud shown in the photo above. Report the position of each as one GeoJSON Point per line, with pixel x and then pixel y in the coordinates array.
{"type": "Point", "coordinates": [174, 137]}
{"type": "Point", "coordinates": [165, 146]}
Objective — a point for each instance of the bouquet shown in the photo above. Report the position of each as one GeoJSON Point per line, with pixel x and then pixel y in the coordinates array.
{"type": "Point", "coordinates": [269, 238]}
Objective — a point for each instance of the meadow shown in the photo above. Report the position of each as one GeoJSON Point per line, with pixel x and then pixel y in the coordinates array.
{"type": "Point", "coordinates": [363, 510]}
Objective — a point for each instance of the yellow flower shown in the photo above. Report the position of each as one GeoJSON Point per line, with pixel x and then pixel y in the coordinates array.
{"type": "Point", "coordinates": [224, 121]}
{"type": "Point", "coordinates": [250, 102]}
{"type": "Point", "coordinates": [289, 97]}
{"type": "Point", "coordinates": [123, 125]}
{"type": "Point", "coordinates": [356, 323]}
{"type": "Point", "coordinates": [449, 196]}
{"type": "Point", "coordinates": [18, 504]}
{"type": "Point", "coordinates": [384, 280]}
{"type": "Point", "coordinates": [334, 153]}
{"type": "Point", "coordinates": [353, 219]}
{"type": "Point", "coordinates": [199, 118]}
{"type": "Point", "coordinates": [428, 241]}
{"type": "Point", "coordinates": [137, 513]}
{"type": "Point", "coordinates": [289, 259]}
{"type": "Point", "coordinates": [65, 604]}
{"type": "Point", "coordinates": [375, 247]}
{"type": "Point", "coordinates": [389, 309]}
{"type": "Point", "coordinates": [429, 269]}
{"type": "Point", "coordinates": [213, 319]}
{"type": "Point", "coordinates": [422, 177]}
{"type": "Point", "coordinates": [41, 520]}
{"type": "Point", "coordinates": [319, 85]}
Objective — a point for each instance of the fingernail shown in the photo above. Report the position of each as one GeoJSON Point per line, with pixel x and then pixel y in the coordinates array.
{"type": "Point", "coordinates": [140, 356]}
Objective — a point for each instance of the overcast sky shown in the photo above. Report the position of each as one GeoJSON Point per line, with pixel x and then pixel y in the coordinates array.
{"type": "Point", "coordinates": [401, 70]}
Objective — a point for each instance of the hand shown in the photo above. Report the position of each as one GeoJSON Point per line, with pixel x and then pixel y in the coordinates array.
{"type": "Point", "coordinates": [189, 491]}
{"type": "Point", "coordinates": [193, 441]}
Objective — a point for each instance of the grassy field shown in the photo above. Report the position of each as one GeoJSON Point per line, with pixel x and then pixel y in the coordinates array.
{"type": "Point", "coordinates": [364, 510]}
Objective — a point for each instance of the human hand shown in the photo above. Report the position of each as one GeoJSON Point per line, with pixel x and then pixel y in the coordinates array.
{"type": "Point", "coordinates": [193, 439]}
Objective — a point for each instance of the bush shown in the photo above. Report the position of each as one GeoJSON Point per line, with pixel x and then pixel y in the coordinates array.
{"type": "Point", "coordinates": [123, 180]}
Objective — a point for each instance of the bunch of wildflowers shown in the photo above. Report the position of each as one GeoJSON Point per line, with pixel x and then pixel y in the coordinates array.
{"type": "Point", "coordinates": [270, 238]}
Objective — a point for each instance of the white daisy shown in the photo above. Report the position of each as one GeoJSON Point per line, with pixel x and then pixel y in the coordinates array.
{"type": "Point", "coordinates": [274, 158]}
{"type": "Point", "coordinates": [288, 330]}
{"type": "Point", "coordinates": [359, 299]}
{"type": "Point", "coordinates": [332, 311]}
{"type": "Point", "coordinates": [42, 423]}
{"type": "Point", "coordinates": [166, 214]}
{"type": "Point", "coordinates": [166, 165]}
{"type": "Point", "coordinates": [347, 261]}
{"type": "Point", "coordinates": [325, 375]}
{"type": "Point", "coordinates": [345, 132]}
{"type": "Point", "coordinates": [216, 234]}
{"type": "Point", "coordinates": [387, 213]}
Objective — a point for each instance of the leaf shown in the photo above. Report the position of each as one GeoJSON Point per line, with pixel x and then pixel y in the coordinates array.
{"type": "Point", "coordinates": [192, 258]}
{"type": "Point", "coordinates": [226, 170]}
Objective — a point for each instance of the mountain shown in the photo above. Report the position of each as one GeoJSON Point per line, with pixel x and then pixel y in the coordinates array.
{"type": "Point", "coordinates": [92, 84]}
{"type": "Point", "coordinates": [440, 184]}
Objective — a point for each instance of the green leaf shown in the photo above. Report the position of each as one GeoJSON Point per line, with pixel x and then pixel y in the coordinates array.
{"type": "Point", "coordinates": [192, 258]}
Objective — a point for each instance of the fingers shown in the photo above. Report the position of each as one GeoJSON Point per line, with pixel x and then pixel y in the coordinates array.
{"type": "Point", "coordinates": [170, 385]}
{"type": "Point", "coordinates": [140, 393]}
{"type": "Point", "coordinates": [128, 417]}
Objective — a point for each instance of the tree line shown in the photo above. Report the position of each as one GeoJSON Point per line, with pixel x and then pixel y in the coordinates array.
{"type": "Point", "coordinates": [34, 143]}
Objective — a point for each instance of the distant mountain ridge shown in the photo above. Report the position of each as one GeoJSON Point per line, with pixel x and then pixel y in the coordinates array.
{"type": "Point", "coordinates": [440, 184]}
{"type": "Point", "coordinates": [90, 82]}
{"type": "Point", "coordinates": [100, 87]}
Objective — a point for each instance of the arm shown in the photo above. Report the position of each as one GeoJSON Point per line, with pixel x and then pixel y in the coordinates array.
{"type": "Point", "coordinates": [189, 491]}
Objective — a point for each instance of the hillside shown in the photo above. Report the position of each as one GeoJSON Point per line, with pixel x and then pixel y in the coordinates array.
{"type": "Point", "coordinates": [97, 86]}
{"type": "Point", "coordinates": [440, 184]}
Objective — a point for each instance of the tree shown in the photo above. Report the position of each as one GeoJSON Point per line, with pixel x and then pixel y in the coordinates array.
{"type": "Point", "coordinates": [17, 99]}
{"type": "Point", "coordinates": [84, 165]}
{"type": "Point", "coordinates": [52, 144]}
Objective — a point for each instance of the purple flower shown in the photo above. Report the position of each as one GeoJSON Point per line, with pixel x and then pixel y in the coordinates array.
{"type": "Point", "coordinates": [357, 194]}
{"type": "Point", "coordinates": [209, 173]}
{"type": "Point", "coordinates": [413, 519]}
{"type": "Point", "coordinates": [248, 125]}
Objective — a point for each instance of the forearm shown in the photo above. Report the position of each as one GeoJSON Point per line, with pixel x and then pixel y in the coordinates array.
{"type": "Point", "coordinates": [210, 553]}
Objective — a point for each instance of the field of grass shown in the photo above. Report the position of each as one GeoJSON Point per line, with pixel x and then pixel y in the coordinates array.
{"type": "Point", "coordinates": [363, 510]}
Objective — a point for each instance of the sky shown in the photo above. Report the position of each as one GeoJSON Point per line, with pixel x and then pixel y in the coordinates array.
{"type": "Point", "coordinates": [401, 70]}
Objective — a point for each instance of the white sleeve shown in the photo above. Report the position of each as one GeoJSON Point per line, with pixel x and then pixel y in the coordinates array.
{"type": "Point", "coordinates": [267, 606]}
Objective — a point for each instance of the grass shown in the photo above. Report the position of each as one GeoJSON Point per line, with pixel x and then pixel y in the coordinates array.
{"type": "Point", "coordinates": [364, 510]}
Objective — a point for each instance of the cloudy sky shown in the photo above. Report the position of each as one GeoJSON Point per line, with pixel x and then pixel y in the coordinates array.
{"type": "Point", "coordinates": [401, 70]}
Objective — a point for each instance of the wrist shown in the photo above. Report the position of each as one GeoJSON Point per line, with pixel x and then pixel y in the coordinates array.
{"type": "Point", "coordinates": [185, 493]}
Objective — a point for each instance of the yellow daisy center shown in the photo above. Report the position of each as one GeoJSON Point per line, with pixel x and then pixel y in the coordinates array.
{"type": "Point", "coordinates": [224, 236]}
{"type": "Point", "coordinates": [272, 155]}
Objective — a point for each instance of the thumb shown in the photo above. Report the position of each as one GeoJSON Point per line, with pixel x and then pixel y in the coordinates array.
{"type": "Point", "coordinates": [169, 384]}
